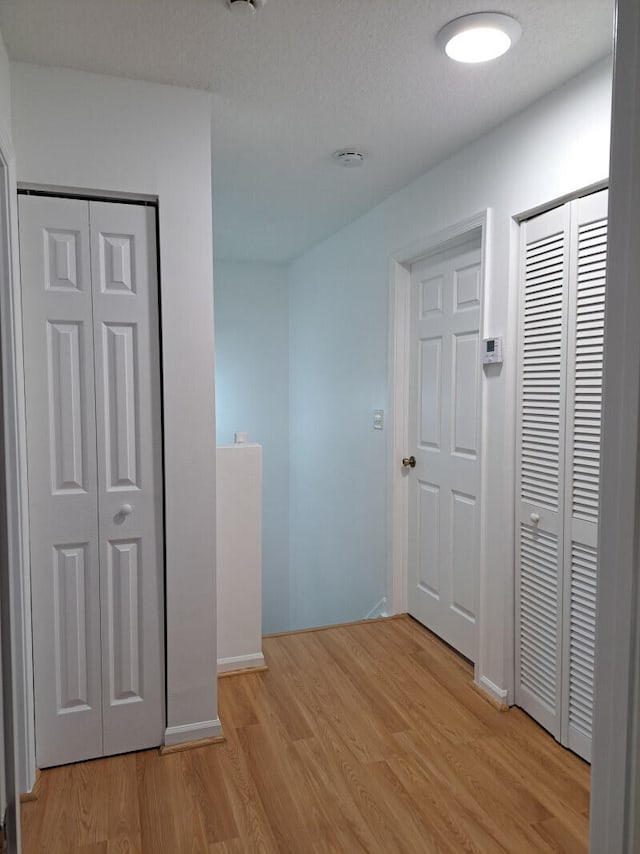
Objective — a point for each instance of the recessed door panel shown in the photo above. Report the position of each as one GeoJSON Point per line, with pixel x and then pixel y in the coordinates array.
{"type": "Point", "coordinates": [63, 260]}
{"type": "Point", "coordinates": [65, 353]}
{"type": "Point", "coordinates": [70, 588]}
{"type": "Point", "coordinates": [466, 285]}
{"type": "Point", "coordinates": [466, 392]}
{"type": "Point", "coordinates": [464, 526]}
{"type": "Point", "coordinates": [431, 296]}
{"type": "Point", "coordinates": [429, 538]}
{"type": "Point", "coordinates": [124, 625]}
{"type": "Point", "coordinates": [121, 404]}
{"type": "Point", "coordinates": [117, 263]}
{"type": "Point", "coordinates": [431, 384]}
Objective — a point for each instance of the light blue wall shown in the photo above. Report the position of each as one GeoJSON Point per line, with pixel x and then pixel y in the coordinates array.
{"type": "Point", "coordinates": [339, 294]}
{"type": "Point", "coordinates": [338, 377]}
{"type": "Point", "coordinates": [252, 394]}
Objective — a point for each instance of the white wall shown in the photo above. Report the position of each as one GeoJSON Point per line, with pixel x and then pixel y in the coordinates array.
{"type": "Point", "coordinates": [239, 566]}
{"type": "Point", "coordinates": [252, 394]}
{"type": "Point", "coordinates": [5, 87]}
{"type": "Point", "coordinates": [98, 133]}
{"type": "Point", "coordinates": [338, 356]}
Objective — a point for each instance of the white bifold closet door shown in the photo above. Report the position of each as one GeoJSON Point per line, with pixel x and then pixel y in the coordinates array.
{"type": "Point", "coordinates": [559, 423]}
{"type": "Point", "coordinates": [92, 377]}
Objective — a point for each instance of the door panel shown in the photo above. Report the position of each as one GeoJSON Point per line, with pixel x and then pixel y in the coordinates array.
{"type": "Point", "coordinates": [541, 474]}
{"type": "Point", "coordinates": [584, 424]}
{"type": "Point", "coordinates": [129, 429]}
{"type": "Point", "coordinates": [58, 354]}
{"type": "Point", "coordinates": [444, 431]}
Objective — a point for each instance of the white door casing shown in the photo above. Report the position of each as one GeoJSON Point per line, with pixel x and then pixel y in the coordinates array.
{"type": "Point", "coordinates": [444, 435]}
{"type": "Point", "coordinates": [94, 445]}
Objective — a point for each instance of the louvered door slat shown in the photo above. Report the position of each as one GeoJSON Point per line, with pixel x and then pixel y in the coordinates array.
{"type": "Point", "coordinates": [584, 422]}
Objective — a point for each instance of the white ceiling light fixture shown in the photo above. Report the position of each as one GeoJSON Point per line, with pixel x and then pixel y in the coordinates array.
{"type": "Point", "coordinates": [479, 37]}
{"type": "Point", "coordinates": [244, 7]}
{"type": "Point", "coordinates": [349, 157]}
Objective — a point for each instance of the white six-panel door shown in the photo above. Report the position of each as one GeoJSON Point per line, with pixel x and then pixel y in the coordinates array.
{"type": "Point", "coordinates": [444, 436]}
{"type": "Point", "coordinates": [559, 422]}
{"type": "Point", "coordinates": [92, 372]}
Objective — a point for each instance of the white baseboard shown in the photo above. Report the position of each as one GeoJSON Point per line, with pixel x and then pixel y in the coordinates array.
{"type": "Point", "coordinates": [240, 662]}
{"type": "Point", "coordinates": [379, 610]}
{"type": "Point", "coordinates": [497, 694]}
{"type": "Point", "coordinates": [192, 732]}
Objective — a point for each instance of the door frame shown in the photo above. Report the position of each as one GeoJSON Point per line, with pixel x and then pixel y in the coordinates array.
{"type": "Point", "coordinates": [399, 333]}
{"type": "Point", "coordinates": [17, 664]}
{"type": "Point", "coordinates": [615, 787]}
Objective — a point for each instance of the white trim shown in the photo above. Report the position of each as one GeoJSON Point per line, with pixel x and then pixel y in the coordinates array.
{"type": "Point", "coordinates": [500, 695]}
{"type": "Point", "coordinates": [615, 787]}
{"type": "Point", "coordinates": [379, 610]}
{"type": "Point", "coordinates": [192, 732]}
{"type": "Point", "coordinates": [397, 438]}
{"type": "Point", "coordinates": [16, 475]}
{"type": "Point", "coordinates": [549, 205]}
{"type": "Point", "coordinates": [14, 735]}
{"type": "Point", "coordinates": [398, 381]}
{"type": "Point", "coordinates": [87, 193]}
{"type": "Point", "coordinates": [240, 662]}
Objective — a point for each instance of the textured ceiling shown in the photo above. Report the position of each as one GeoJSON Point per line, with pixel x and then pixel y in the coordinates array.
{"type": "Point", "coordinates": [305, 77]}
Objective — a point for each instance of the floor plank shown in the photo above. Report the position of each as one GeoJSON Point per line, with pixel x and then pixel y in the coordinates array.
{"type": "Point", "coordinates": [359, 739]}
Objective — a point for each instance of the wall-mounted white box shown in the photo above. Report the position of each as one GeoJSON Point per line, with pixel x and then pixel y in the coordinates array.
{"type": "Point", "coordinates": [239, 556]}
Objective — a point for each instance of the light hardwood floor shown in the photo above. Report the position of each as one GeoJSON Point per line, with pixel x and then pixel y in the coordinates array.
{"type": "Point", "coordinates": [366, 739]}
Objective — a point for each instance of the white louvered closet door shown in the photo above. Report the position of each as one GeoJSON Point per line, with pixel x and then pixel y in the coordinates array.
{"type": "Point", "coordinates": [541, 442]}
{"type": "Point", "coordinates": [559, 425]}
{"type": "Point", "coordinates": [584, 422]}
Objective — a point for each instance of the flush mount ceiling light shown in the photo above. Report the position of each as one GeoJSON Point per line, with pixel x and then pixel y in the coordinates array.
{"type": "Point", "coordinates": [243, 7]}
{"type": "Point", "coordinates": [349, 157]}
{"type": "Point", "coordinates": [479, 37]}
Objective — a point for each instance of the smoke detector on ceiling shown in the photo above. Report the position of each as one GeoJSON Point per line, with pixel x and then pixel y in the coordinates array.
{"type": "Point", "coordinates": [349, 157]}
{"type": "Point", "coordinates": [243, 7]}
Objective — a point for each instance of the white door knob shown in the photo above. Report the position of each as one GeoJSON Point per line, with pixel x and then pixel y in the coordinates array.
{"type": "Point", "coordinates": [535, 518]}
{"type": "Point", "coordinates": [126, 510]}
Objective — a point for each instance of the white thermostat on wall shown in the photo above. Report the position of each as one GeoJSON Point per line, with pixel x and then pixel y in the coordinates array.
{"type": "Point", "coordinates": [492, 351]}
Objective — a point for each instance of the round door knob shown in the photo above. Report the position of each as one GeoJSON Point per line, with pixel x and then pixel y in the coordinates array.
{"type": "Point", "coordinates": [409, 462]}
{"type": "Point", "coordinates": [535, 518]}
{"type": "Point", "coordinates": [126, 510]}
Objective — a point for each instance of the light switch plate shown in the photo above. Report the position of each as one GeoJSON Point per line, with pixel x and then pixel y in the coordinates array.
{"type": "Point", "coordinates": [378, 419]}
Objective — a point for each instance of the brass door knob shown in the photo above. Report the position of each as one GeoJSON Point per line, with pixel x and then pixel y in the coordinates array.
{"type": "Point", "coordinates": [409, 462]}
